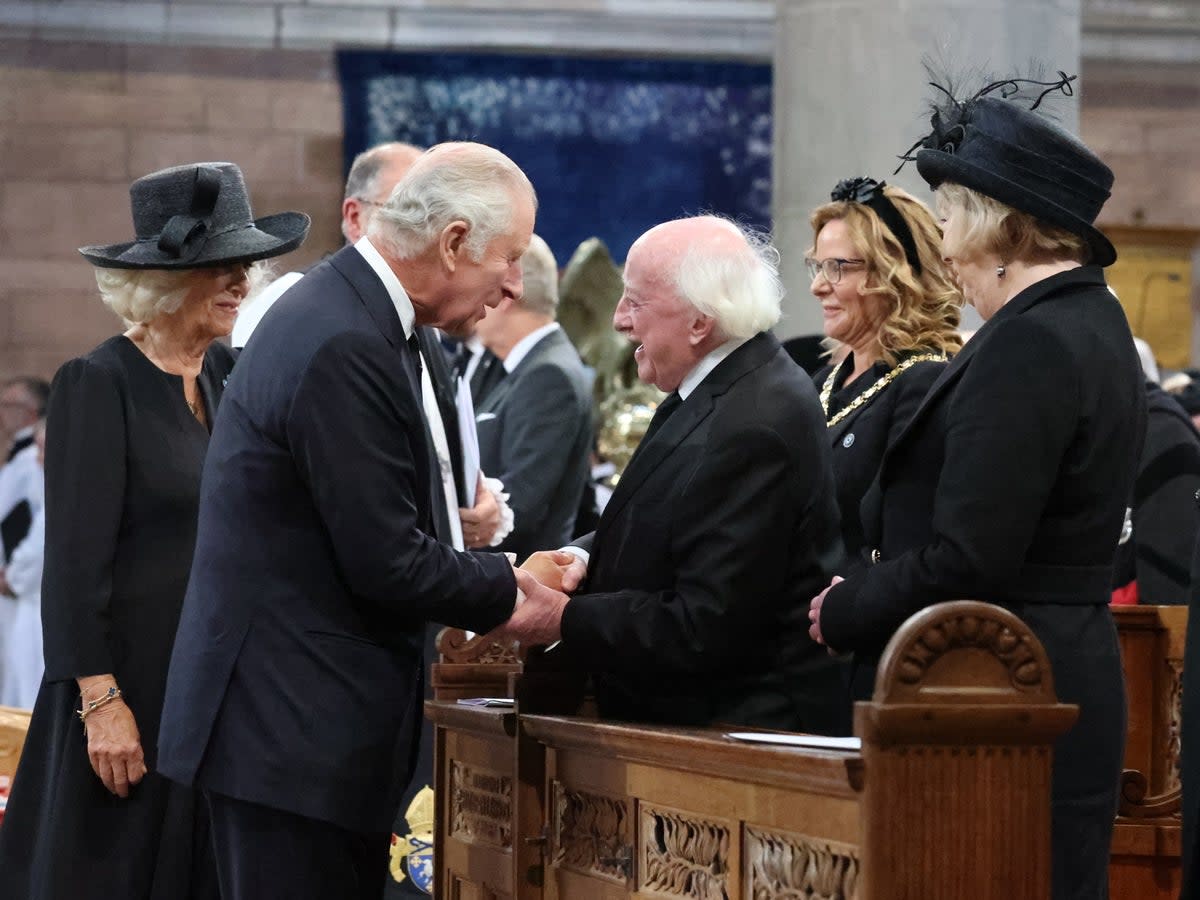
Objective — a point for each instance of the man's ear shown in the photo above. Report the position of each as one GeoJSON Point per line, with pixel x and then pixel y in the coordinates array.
{"type": "Point", "coordinates": [352, 219]}
{"type": "Point", "coordinates": [452, 244]}
{"type": "Point", "coordinates": [700, 328]}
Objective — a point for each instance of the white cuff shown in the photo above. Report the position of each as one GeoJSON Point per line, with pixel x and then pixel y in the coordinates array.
{"type": "Point", "coordinates": [579, 553]}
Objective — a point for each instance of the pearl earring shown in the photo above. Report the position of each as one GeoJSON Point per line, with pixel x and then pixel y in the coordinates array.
{"type": "Point", "coordinates": [1000, 271]}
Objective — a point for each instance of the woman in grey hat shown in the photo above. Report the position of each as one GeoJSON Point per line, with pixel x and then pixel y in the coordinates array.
{"type": "Point", "coordinates": [1009, 484]}
{"type": "Point", "coordinates": [128, 427]}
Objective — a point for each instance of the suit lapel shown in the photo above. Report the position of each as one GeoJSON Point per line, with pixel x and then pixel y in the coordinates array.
{"type": "Point", "coordinates": [694, 410]}
{"type": "Point", "coordinates": [371, 291]}
{"type": "Point", "coordinates": [649, 457]}
{"type": "Point", "coordinates": [535, 354]}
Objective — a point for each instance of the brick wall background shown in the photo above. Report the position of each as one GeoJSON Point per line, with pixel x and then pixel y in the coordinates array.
{"type": "Point", "coordinates": [95, 94]}
{"type": "Point", "coordinates": [79, 121]}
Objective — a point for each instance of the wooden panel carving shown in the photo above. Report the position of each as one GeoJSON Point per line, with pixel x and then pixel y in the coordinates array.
{"type": "Point", "coordinates": [956, 632]}
{"type": "Point", "coordinates": [455, 647]}
{"type": "Point", "coordinates": [796, 867]}
{"type": "Point", "coordinates": [1174, 720]}
{"type": "Point", "coordinates": [592, 834]}
{"type": "Point", "coordinates": [480, 805]}
{"type": "Point", "coordinates": [682, 855]}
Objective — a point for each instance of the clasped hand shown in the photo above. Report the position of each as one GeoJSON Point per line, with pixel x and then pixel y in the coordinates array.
{"type": "Point", "coordinates": [542, 583]}
{"type": "Point", "coordinates": [814, 612]}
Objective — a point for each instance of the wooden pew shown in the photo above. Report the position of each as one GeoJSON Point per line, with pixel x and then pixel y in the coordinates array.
{"type": "Point", "coordinates": [948, 798]}
{"type": "Point", "coordinates": [1147, 838]}
{"type": "Point", "coordinates": [14, 723]}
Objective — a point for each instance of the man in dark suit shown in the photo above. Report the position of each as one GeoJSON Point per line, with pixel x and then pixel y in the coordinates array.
{"type": "Point", "coordinates": [535, 428]}
{"type": "Point", "coordinates": [293, 699]}
{"type": "Point", "coordinates": [693, 609]}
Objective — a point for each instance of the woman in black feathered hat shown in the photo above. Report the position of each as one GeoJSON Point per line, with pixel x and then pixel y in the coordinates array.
{"type": "Point", "coordinates": [127, 430]}
{"type": "Point", "coordinates": [1011, 481]}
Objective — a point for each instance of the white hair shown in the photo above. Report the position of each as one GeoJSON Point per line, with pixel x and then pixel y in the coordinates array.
{"type": "Point", "coordinates": [451, 182]}
{"type": "Point", "coordinates": [142, 295]}
{"type": "Point", "coordinates": [539, 271]}
{"type": "Point", "coordinates": [736, 282]}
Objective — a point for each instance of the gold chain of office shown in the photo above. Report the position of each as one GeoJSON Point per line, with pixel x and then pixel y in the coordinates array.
{"type": "Point", "coordinates": [874, 390]}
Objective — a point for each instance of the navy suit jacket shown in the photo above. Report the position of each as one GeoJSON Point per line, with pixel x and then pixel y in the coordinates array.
{"type": "Point", "coordinates": [296, 679]}
{"type": "Point", "coordinates": [535, 434]}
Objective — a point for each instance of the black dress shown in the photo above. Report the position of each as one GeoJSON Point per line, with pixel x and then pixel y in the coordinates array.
{"type": "Point", "coordinates": [123, 461]}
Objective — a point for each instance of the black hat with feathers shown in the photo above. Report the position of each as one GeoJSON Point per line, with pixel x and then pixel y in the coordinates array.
{"type": "Point", "coordinates": [1006, 150]}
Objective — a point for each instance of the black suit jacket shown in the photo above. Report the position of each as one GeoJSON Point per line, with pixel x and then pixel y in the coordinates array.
{"type": "Point", "coordinates": [535, 433]}
{"type": "Point", "coordinates": [489, 373]}
{"type": "Point", "coordinates": [722, 527]}
{"type": "Point", "coordinates": [1010, 483]}
{"type": "Point", "coordinates": [859, 440]}
{"type": "Point", "coordinates": [296, 675]}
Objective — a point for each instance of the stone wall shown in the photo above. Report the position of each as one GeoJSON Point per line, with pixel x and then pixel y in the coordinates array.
{"type": "Point", "coordinates": [79, 121]}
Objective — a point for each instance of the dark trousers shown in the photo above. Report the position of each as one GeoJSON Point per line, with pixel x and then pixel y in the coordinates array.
{"type": "Point", "coordinates": [264, 854]}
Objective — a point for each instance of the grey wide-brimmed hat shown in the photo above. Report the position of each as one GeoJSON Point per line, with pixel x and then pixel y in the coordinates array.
{"type": "Point", "coordinates": [189, 217]}
{"type": "Point", "coordinates": [1013, 154]}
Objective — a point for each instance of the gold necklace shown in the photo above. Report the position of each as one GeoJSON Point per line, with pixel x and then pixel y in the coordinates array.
{"type": "Point", "coordinates": [874, 390]}
{"type": "Point", "coordinates": [194, 406]}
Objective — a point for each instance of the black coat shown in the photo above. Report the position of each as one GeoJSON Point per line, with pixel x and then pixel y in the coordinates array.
{"type": "Point", "coordinates": [715, 538]}
{"type": "Point", "coordinates": [1009, 485]}
{"type": "Point", "coordinates": [859, 440]}
{"type": "Point", "coordinates": [123, 461]}
{"type": "Point", "coordinates": [296, 677]}
{"type": "Point", "coordinates": [1166, 519]}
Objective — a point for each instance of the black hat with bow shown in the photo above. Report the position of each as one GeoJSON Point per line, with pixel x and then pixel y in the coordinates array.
{"type": "Point", "coordinates": [1004, 149]}
{"type": "Point", "coordinates": [189, 217]}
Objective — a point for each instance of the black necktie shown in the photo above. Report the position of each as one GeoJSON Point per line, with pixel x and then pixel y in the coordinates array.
{"type": "Point", "coordinates": [669, 405]}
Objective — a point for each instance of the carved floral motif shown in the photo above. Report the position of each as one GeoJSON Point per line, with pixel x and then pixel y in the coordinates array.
{"type": "Point", "coordinates": [480, 805]}
{"type": "Point", "coordinates": [592, 834]}
{"type": "Point", "coordinates": [972, 631]}
{"type": "Point", "coordinates": [683, 856]}
{"type": "Point", "coordinates": [455, 647]}
{"type": "Point", "coordinates": [1174, 722]}
{"type": "Point", "coordinates": [796, 867]}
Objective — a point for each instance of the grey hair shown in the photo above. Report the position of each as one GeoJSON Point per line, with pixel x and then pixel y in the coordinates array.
{"type": "Point", "coordinates": [142, 295]}
{"type": "Point", "coordinates": [735, 282]}
{"type": "Point", "coordinates": [452, 182]}
{"type": "Point", "coordinates": [539, 271]}
{"type": "Point", "coordinates": [363, 179]}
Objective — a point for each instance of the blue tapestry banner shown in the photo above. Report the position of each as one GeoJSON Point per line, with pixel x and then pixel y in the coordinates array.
{"type": "Point", "coordinates": [613, 146]}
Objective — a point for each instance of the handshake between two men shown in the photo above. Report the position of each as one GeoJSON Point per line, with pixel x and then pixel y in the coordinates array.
{"type": "Point", "coordinates": [543, 580]}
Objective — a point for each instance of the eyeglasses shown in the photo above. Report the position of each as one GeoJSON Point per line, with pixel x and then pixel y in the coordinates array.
{"type": "Point", "coordinates": [831, 268]}
{"type": "Point", "coordinates": [366, 202]}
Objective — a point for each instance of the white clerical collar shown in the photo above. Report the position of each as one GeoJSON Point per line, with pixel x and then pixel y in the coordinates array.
{"type": "Point", "coordinates": [399, 296]}
{"type": "Point", "coordinates": [693, 378]}
{"type": "Point", "coordinates": [521, 349]}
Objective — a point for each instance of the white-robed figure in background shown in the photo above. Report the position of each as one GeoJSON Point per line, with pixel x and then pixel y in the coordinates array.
{"type": "Point", "coordinates": [21, 580]}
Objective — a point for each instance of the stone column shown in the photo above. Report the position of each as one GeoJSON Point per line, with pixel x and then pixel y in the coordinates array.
{"type": "Point", "coordinates": [851, 94]}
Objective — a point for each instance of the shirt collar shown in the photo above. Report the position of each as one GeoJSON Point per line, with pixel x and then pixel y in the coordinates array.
{"type": "Point", "coordinates": [522, 347]}
{"type": "Point", "coordinates": [399, 296]}
{"type": "Point", "coordinates": [693, 378]}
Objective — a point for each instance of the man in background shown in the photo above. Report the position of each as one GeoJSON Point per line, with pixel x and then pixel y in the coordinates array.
{"type": "Point", "coordinates": [535, 427]}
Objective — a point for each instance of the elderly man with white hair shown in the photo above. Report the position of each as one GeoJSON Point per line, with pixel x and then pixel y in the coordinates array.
{"type": "Point", "coordinates": [294, 694]}
{"type": "Point", "coordinates": [693, 608]}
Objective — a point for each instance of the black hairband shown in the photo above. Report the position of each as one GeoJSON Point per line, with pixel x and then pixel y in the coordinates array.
{"type": "Point", "coordinates": [869, 192]}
